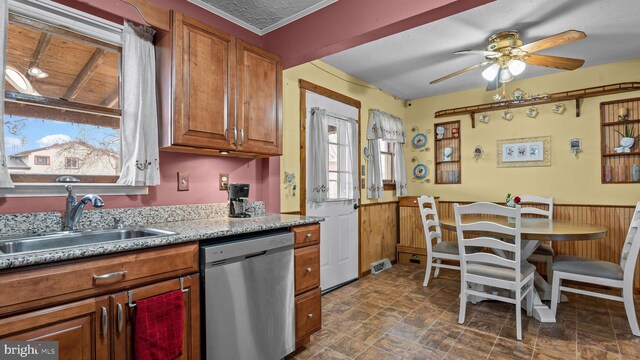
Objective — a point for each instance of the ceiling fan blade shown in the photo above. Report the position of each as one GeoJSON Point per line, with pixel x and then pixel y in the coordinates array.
{"type": "Point", "coordinates": [490, 54]}
{"type": "Point", "coordinates": [556, 62]}
{"type": "Point", "coordinates": [459, 72]}
{"type": "Point", "coordinates": [554, 40]}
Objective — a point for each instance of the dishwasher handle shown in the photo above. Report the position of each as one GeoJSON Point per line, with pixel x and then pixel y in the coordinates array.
{"type": "Point", "coordinates": [259, 253]}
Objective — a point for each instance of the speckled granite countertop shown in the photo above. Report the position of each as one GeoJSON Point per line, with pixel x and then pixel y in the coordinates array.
{"type": "Point", "coordinates": [194, 230]}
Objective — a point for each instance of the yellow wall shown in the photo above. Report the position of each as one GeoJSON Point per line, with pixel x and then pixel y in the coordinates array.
{"type": "Point", "coordinates": [368, 96]}
{"type": "Point", "coordinates": [569, 180]}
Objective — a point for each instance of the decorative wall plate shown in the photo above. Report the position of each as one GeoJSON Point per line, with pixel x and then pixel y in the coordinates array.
{"type": "Point", "coordinates": [420, 171]}
{"type": "Point", "coordinates": [558, 108]}
{"type": "Point", "coordinates": [419, 141]}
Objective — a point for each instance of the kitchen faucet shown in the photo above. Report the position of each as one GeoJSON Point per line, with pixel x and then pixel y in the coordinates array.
{"type": "Point", "coordinates": [75, 207]}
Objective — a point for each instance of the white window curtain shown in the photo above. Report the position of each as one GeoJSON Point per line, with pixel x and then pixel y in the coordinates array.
{"type": "Point", "coordinates": [353, 190]}
{"type": "Point", "coordinates": [140, 153]}
{"type": "Point", "coordinates": [387, 127]}
{"type": "Point", "coordinates": [5, 178]}
{"type": "Point", "coordinates": [319, 151]}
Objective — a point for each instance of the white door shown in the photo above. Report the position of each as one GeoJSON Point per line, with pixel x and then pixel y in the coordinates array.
{"type": "Point", "coordinates": [339, 232]}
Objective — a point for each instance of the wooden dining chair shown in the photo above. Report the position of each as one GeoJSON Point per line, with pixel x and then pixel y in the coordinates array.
{"type": "Point", "coordinates": [447, 250]}
{"type": "Point", "coordinates": [605, 273]}
{"type": "Point", "coordinates": [480, 270]}
{"type": "Point", "coordinates": [544, 253]}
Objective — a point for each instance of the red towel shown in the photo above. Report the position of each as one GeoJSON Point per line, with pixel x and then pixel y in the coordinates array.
{"type": "Point", "coordinates": [159, 325]}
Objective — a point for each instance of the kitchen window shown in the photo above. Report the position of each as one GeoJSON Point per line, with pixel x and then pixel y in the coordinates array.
{"type": "Point", "coordinates": [62, 99]}
{"type": "Point", "coordinates": [386, 160]}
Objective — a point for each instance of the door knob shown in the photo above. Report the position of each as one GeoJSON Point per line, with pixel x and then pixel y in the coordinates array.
{"type": "Point", "coordinates": [356, 206]}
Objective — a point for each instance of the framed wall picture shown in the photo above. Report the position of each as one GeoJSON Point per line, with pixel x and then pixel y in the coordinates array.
{"type": "Point", "coordinates": [524, 152]}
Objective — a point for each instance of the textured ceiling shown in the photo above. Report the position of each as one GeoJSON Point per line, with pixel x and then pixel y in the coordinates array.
{"type": "Point", "coordinates": [404, 63]}
{"type": "Point", "coordinates": [262, 15]}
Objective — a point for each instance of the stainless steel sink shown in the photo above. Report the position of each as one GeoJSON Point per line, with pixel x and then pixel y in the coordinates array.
{"type": "Point", "coordinates": [30, 243]}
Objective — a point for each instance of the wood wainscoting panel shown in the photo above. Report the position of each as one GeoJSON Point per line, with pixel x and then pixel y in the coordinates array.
{"type": "Point", "coordinates": [379, 233]}
{"type": "Point", "coordinates": [615, 218]}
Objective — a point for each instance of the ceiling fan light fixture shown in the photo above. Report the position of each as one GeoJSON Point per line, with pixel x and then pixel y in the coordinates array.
{"type": "Point", "coordinates": [37, 72]}
{"type": "Point", "coordinates": [491, 72]}
{"type": "Point", "coordinates": [516, 67]}
{"type": "Point", "coordinates": [505, 75]}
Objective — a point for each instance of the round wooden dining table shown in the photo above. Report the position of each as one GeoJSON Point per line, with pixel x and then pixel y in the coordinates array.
{"type": "Point", "coordinates": [534, 230]}
{"type": "Point", "coordinates": [541, 229]}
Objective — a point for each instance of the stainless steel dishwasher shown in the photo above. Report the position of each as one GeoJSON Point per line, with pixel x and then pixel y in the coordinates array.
{"type": "Point", "coordinates": [249, 297]}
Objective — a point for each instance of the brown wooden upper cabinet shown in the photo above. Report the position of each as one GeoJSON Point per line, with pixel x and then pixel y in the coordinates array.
{"type": "Point", "coordinates": [260, 93]}
{"type": "Point", "coordinates": [217, 93]}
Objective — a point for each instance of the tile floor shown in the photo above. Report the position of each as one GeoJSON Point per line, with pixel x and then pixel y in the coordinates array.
{"type": "Point", "coordinates": [391, 316]}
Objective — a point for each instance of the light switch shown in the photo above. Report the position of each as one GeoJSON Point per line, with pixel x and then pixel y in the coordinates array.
{"type": "Point", "coordinates": [183, 181]}
{"type": "Point", "coordinates": [223, 181]}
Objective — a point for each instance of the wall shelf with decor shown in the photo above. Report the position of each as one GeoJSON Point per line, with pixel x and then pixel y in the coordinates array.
{"type": "Point", "coordinates": [575, 95]}
{"type": "Point", "coordinates": [447, 145]}
{"type": "Point", "coordinates": [620, 158]}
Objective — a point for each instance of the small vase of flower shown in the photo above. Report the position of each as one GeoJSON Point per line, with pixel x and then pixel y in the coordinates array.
{"type": "Point", "coordinates": [512, 201]}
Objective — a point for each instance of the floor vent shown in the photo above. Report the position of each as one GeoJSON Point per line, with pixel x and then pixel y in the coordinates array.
{"type": "Point", "coordinates": [380, 266]}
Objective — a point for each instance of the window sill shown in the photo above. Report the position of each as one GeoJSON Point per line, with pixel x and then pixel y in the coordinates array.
{"type": "Point", "coordinates": [389, 186]}
{"type": "Point", "coordinates": [58, 189]}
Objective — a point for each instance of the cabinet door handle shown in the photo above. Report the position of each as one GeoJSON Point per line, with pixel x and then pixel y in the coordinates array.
{"type": "Point", "coordinates": [119, 318]}
{"type": "Point", "coordinates": [309, 316]}
{"type": "Point", "coordinates": [235, 135]}
{"type": "Point", "coordinates": [242, 136]}
{"type": "Point", "coordinates": [308, 270]}
{"type": "Point", "coordinates": [110, 276]}
{"type": "Point", "coordinates": [105, 322]}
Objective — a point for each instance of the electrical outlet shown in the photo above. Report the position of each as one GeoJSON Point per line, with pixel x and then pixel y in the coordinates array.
{"type": "Point", "coordinates": [223, 181]}
{"type": "Point", "coordinates": [183, 181]}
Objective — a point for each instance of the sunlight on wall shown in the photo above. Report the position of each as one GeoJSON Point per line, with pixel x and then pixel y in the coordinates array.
{"type": "Point", "coordinates": [569, 179]}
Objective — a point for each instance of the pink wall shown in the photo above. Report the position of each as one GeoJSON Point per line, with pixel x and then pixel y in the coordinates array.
{"type": "Point", "coordinates": [349, 23]}
{"type": "Point", "coordinates": [262, 174]}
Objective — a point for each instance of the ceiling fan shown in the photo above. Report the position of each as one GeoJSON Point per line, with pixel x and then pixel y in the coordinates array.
{"type": "Point", "coordinates": [507, 56]}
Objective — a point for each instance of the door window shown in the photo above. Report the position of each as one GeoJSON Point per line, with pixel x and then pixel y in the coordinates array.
{"type": "Point", "coordinates": [340, 164]}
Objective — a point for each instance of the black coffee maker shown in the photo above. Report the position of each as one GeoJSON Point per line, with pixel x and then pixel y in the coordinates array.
{"type": "Point", "coordinates": [238, 194]}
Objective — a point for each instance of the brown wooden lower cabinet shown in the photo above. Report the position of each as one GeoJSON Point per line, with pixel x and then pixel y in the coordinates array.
{"type": "Point", "coordinates": [78, 328]}
{"type": "Point", "coordinates": [308, 301]}
{"type": "Point", "coordinates": [308, 314]}
{"type": "Point", "coordinates": [123, 325]}
{"type": "Point", "coordinates": [100, 326]}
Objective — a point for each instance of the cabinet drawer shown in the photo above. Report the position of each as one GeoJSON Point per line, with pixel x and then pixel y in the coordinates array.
{"type": "Point", "coordinates": [23, 289]}
{"type": "Point", "coordinates": [307, 268]}
{"type": "Point", "coordinates": [308, 314]}
{"type": "Point", "coordinates": [306, 235]}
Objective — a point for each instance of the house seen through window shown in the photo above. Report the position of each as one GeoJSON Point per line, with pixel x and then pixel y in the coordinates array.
{"type": "Point", "coordinates": [62, 104]}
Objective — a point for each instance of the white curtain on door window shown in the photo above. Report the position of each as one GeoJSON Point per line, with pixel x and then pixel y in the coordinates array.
{"type": "Point", "coordinates": [5, 178]}
{"type": "Point", "coordinates": [140, 163]}
{"type": "Point", "coordinates": [319, 152]}
{"type": "Point", "coordinates": [351, 181]}
{"type": "Point", "coordinates": [387, 127]}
